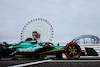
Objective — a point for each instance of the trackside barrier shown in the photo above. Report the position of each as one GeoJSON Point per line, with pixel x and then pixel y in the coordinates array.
{"type": "Point", "coordinates": [96, 47]}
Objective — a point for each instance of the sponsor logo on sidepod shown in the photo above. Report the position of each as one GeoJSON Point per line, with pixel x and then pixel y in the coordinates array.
{"type": "Point", "coordinates": [26, 50]}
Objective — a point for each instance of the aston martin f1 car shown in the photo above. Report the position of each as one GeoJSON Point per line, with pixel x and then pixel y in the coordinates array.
{"type": "Point", "coordinates": [32, 49]}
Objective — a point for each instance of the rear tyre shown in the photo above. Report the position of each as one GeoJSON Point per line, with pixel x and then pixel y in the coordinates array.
{"type": "Point", "coordinates": [2, 51]}
{"type": "Point", "coordinates": [72, 50]}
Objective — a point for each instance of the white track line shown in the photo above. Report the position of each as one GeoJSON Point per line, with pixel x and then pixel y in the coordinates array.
{"type": "Point", "coordinates": [37, 62]}
{"type": "Point", "coordinates": [31, 63]}
{"type": "Point", "coordinates": [75, 61]}
{"type": "Point", "coordinates": [26, 64]}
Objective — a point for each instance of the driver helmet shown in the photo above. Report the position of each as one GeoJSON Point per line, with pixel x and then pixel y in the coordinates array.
{"type": "Point", "coordinates": [34, 33]}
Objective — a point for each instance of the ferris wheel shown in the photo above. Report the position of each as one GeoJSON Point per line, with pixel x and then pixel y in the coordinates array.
{"type": "Point", "coordinates": [42, 26]}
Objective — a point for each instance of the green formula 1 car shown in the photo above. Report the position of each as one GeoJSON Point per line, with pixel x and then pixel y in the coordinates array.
{"type": "Point", "coordinates": [32, 49]}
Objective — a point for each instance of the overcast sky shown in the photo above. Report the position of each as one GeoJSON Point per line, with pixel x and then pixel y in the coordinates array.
{"type": "Point", "coordinates": [69, 18]}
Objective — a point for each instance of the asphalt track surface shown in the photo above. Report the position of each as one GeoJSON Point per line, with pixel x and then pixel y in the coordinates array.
{"type": "Point", "coordinates": [24, 62]}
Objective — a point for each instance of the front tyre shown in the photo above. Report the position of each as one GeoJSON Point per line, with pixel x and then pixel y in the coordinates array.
{"type": "Point", "coordinates": [72, 50]}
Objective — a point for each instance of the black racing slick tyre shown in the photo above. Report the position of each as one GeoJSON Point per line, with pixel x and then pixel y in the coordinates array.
{"type": "Point", "coordinates": [72, 50]}
{"type": "Point", "coordinates": [2, 51]}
